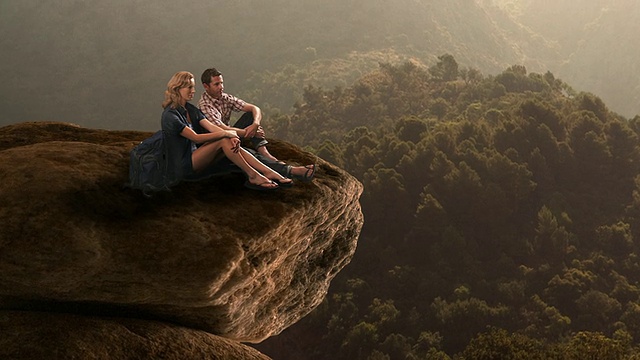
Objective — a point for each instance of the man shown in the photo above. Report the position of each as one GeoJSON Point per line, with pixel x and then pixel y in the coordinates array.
{"type": "Point", "coordinates": [217, 106]}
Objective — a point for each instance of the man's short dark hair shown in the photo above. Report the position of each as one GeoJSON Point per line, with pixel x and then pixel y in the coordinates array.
{"type": "Point", "coordinates": [208, 74]}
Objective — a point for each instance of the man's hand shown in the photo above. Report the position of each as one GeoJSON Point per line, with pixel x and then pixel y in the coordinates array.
{"type": "Point", "coordinates": [251, 130]}
{"type": "Point", "coordinates": [260, 132]}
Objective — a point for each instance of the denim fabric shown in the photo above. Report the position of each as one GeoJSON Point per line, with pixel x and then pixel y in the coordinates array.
{"type": "Point", "coordinates": [245, 120]}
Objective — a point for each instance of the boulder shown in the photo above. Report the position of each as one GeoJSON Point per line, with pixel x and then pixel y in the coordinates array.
{"type": "Point", "coordinates": [34, 335]}
{"type": "Point", "coordinates": [209, 255]}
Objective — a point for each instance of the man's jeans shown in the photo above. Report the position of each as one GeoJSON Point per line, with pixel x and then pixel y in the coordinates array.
{"type": "Point", "coordinates": [245, 120]}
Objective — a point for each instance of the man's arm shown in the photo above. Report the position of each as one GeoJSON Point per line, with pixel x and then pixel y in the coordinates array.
{"type": "Point", "coordinates": [257, 113]}
{"type": "Point", "coordinates": [252, 129]}
{"type": "Point", "coordinates": [213, 118]}
{"type": "Point", "coordinates": [240, 132]}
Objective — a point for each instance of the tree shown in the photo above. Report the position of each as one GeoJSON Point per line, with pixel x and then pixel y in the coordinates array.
{"type": "Point", "coordinates": [593, 346]}
{"type": "Point", "coordinates": [462, 191]}
{"type": "Point", "coordinates": [397, 346]}
{"type": "Point", "coordinates": [616, 239]}
{"type": "Point", "coordinates": [439, 108]}
{"type": "Point", "coordinates": [589, 144]}
{"type": "Point", "coordinates": [552, 240]}
{"type": "Point", "coordinates": [541, 113]}
{"type": "Point", "coordinates": [542, 321]}
{"type": "Point", "coordinates": [383, 314]}
{"type": "Point", "coordinates": [411, 129]}
{"type": "Point", "coordinates": [446, 69]}
{"type": "Point", "coordinates": [564, 290]}
{"type": "Point", "coordinates": [597, 311]}
{"type": "Point", "coordinates": [331, 152]}
{"type": "Point", "coordinates": [428, 343]}
{"type": "Point", "coordinates": [631, 319]}
{"type": "Point", "coordinates": [623, 143]}
{"type": "Point", "coordinates": [623, 291]}
{"type": "Point", "coordinates": [498, 344]}
{"type": "Point", "coordinates": [528, 205]}
{"type": "Point", "coordinates": [359, 341]}
{"type": "Point", "coordinates": [471, 75]}
{"type": "Point", "coordinates": [360, 151]}
{"type": "Point", "coordinates": [515, 79]}
{"type": "Point", "coordinates": [461, 320]}
{"type": "Point", "coordinates": [386, 201]}
{"type": "Point", "coordinates": [594, 104]}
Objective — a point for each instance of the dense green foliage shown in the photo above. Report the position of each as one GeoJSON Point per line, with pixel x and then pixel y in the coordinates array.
{"type": "Point", "coordinates": [501, 214]}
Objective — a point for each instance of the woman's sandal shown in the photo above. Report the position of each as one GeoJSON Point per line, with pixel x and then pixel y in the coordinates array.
{"type": "Point", "coordinates": [283, 183]}
{"type": "Point", "coordinates": [261, 187]}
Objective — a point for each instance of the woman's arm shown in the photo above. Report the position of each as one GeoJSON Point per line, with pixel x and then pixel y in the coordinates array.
{"type": "Point", "coordinates": [213, 128]}
{"type": "Point", "coordinates": [188, 133]}
{"type": "Point", "coordinates": [205, 123]}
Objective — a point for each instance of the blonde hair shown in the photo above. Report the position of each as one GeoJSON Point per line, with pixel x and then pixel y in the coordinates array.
{"type": "Point", "coordinates": [178, 81]}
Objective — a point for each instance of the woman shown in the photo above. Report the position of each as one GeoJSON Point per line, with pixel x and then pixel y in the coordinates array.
{"type": "Point", "coordinates": [186, 160]}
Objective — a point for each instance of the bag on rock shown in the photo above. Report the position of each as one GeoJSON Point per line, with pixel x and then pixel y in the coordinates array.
{"type": "Point", "coordinates": [148, 165]}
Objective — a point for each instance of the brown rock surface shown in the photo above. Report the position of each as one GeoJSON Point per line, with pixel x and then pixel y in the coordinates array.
{"type": "Point", "coordinates": [68, 336]}
{"type": "Point", "coordinates": [209, 255]}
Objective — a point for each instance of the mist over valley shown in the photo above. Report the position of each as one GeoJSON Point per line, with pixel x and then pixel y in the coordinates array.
{"type": "Point", "coordinates": [106, 65]}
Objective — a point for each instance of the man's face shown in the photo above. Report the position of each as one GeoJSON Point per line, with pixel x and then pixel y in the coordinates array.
{"type": "Point", "coordinates": [215, 87]}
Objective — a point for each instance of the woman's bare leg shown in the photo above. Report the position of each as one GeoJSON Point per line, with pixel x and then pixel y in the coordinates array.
{"type": "Point", "coordinates": [205, 155]}
{"type": "Point", "coordinates": [208, 152]}
{"type": "Point", "coordinates": [264, 169]}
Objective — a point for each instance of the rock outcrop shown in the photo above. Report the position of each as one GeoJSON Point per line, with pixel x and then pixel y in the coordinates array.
{"type": "Point", "coordinates": [209, 257]}
{"type": "Point", "coordinates": [42, 335]}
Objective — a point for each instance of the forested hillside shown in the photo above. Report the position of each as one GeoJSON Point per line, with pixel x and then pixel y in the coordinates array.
{"type": "Point", "coordinates": [342, 40]}
{"type": "Point", "coordinates": [590, 44]}
{"type": "Point", "coordinates": [501, 218]}
{"type": "Point", "coordinates": [105, 64]}
{"type": "Point", "coordinates": [596, 41]}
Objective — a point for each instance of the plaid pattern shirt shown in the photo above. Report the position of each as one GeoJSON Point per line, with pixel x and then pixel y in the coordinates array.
{"type": "Point", "coordinates": [218, 111]}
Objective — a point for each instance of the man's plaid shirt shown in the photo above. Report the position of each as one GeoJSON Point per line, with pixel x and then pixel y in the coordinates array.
{"type": "Point", "coordinates": [219, 111]}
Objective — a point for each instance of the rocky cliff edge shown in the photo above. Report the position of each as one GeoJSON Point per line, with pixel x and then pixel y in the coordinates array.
{"type": "Point", "coordinates": [77, 248]}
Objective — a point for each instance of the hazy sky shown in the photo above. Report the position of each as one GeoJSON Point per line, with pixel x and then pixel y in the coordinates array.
{"type": "Point", "coordinates": [98, 63]}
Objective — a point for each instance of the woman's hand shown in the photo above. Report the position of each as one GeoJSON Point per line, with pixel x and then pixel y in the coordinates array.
{"type": "Point", "coordinates": [235, 144]}
{"type": "Point", "coordinates": [231, 134]}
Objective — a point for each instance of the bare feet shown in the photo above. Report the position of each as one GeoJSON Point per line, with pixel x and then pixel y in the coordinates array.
{"type": "Point", "coordinates": [262, 182]}
{"type": "Point", "coordinates": [279, 179]}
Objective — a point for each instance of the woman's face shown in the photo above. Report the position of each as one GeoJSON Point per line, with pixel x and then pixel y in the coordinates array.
{"type": "Point", "coordinates": [187, 92]}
